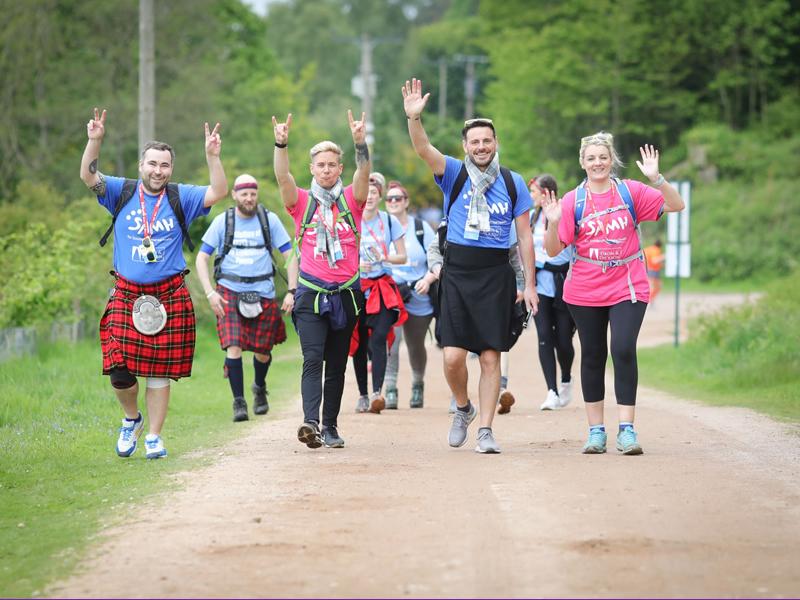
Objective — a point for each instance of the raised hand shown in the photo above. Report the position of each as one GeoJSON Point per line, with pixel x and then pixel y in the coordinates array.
{"type": "Point", "coordinates": [358, 128]}
{"type": "Point", "coordinates": [649, 163]}
{"type": "Point", "coordinates": [96, 128]}
{"type": "Point", "coordinates": [213, 141]}
{"type": "Point", "coordinates": [551, 206]}
{"type": "Point", "coordinates": [281, 130]}
{"type": "Point", "coordinates": [413, 100]}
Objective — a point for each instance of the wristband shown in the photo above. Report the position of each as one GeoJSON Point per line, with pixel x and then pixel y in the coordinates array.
{"type": "Point", "coordinates": [277, 145]}
{"type": "Point", "coordinates": [660, 181]}
{"type": "Point", "coordinates": [211, 293]}
{"type": "Point", "coordinates": [291, 291]}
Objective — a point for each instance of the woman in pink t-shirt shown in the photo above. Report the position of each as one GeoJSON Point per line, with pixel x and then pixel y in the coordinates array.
{"type": "Point", "coordinates": [607, 284]}
{"type": "Point", "coordinates": [328, 298]}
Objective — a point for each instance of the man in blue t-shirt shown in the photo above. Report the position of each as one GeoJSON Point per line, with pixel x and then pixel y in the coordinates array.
{"type": "Point", "coordinates": [248, 318]}
{"type": "Point", "coordinates": [148, 328]}
{"type": "Point", "coordinates": [478, 287]}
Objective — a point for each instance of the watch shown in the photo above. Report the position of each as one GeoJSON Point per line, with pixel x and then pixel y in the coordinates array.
{"type": "Point", "coordinates": [291, 291]}
{"type": "Point", "coordinates": [660, 181]}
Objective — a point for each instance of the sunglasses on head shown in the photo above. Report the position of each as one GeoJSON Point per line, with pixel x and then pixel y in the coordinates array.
{"type": "Point", "coordinates": [479, 121]}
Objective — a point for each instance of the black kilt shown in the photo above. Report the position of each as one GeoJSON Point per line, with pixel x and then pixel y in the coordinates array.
{"type": "Point", "coordinates": [478, 289]}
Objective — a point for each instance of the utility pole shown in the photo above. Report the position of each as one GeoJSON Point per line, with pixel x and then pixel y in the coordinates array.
{"type": "Point", "coordinates": [442, 90]}
{"type": "Point", "coordinates": [470, 83]}
{"type": "Point", "coordinates": [369, 85]}
{"type": "Point", "coordinates": [147, 74]}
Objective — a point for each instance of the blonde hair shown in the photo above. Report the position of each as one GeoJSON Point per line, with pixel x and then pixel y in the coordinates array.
{"type": "Point", "coordinates": [326, 146]}
{"type": "Point", "coordinates": [601, 138]}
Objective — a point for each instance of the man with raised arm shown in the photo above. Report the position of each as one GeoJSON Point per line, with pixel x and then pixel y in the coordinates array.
{"type": "Point", "coordinates": [328, 300]}
{"type": "Point", "coordinates": [148, 327]}
{"type": "Point", "coordinates": [482, 202]}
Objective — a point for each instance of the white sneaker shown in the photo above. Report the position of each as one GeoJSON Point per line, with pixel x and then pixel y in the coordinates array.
{"type": "Point", "coordinates": [154, 446]}
{"type": "Point", "coordinates": [565, 394]}
{"type": "Point", "coordinates": [551, 402]}
{"type": "Point", "coordinates": [128, 435]}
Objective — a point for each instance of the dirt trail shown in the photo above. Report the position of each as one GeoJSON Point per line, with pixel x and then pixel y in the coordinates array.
{"type": "Point", "coordinates": [710, 509]}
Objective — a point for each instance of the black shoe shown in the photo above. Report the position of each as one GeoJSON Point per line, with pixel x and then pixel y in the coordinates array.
{"type": "Point", "coordinates": [308, 434]}
{"type": "Point", "coordinates": [239, 410]}
{"type": "Point", "coordinates": [330, 437]}
{"type": "Point", "coordinates": [260, 404]}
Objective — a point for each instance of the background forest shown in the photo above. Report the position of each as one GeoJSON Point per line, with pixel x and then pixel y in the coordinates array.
{"type": "Point", "coordinates": [713, 84]}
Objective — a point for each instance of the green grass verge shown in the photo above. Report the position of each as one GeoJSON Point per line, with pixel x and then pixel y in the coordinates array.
{"type": "Point", "coordinates": [59, 476]}
{"type": "Point", "coordinates": [747, 356]}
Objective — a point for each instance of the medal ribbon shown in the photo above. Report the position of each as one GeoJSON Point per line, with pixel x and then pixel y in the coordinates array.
{"type": "Point", "coordinates": [382, 239]}
{"type": "Point", "coordinates": [147, 227]}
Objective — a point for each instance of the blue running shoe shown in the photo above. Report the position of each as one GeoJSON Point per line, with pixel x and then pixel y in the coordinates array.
{"type": "Point", "coordinates": [129, 435]}
{"type": "Point", "coordinates": [627, 442]}
{"type": "Point", "coordinates": [154, 446]}
{"type": "Point", "coordinates": [596, 443]}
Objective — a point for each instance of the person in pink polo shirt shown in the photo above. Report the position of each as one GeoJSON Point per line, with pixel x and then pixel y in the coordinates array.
{"type": "Point", "coordinates": [328, 298]}
{"type": "Point", "coordinates": [607, 284]}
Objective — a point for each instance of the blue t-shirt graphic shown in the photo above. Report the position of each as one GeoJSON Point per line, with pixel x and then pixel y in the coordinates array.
{"type": "Point", "coordinates": [129, 257]}
{"type": "Point", "coordinates": [247, 261]}
{"type": "Point", "coordinates": [498, 199]}
{"type": "Point", "coordinates": [377, 236]}
{"type": "Point", "coordinates": [415, 267]}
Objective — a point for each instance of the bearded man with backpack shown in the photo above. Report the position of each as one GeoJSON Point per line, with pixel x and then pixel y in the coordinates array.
{"type": "Point", "coordinates": [248, 317]}
{"type": "Point", "coordinates": [483, 201]}
{"type": "Point", "coordinates": [148, 327]}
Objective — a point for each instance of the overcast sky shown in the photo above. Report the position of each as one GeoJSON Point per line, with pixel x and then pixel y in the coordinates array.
{"type": "Point", "coordinates": [260, 6]}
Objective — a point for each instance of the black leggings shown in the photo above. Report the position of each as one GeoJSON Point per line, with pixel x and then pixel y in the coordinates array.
{"type": "Point", "coordinates": [555, 328]}
{"type": "Point", "coordinates": [372, 333]}
{"type": "Point", "coordinates": [323, 345]}
{"type": "Point", "coordinates": [593, 321]}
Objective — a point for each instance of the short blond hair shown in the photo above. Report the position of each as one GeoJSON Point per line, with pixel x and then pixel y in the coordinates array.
{"type": "Point", "coordinates": [326, 146]}
{"type": "Point", "coordinates": [601, 138]}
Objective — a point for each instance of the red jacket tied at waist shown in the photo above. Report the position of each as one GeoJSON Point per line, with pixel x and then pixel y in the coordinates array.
{"type": "Point", "coordinates": [385, 288]}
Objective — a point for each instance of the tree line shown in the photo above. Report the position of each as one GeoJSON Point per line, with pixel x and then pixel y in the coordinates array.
{"type": "Point", "coordinates": [678, 74]}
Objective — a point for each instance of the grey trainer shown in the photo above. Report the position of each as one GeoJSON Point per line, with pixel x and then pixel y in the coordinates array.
{"type": "Point", "coordinates": [486, 442]}
{"type": "Point", "coordinates": [458, 430]}
{"type": "Point", "coordinates": [362, 405]}
{"type": "Point", "coordinates": [391, 398]}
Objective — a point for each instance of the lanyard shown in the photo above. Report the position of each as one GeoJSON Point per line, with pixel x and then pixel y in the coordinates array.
{"type": "Point", "coordinates": [147, 227]}
{"type": "Point", "coordinates": [382, 239]}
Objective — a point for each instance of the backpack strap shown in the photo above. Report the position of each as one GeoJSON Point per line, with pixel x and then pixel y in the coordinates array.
{"type": "Point", "coordinates": [461, 179]}
{"type": "Point", "coordinates": [227, 244]}
{"type": "Point", "coordinates": [128, 189]}
{"type": "Point", "coordinates": [263, 219]}
{"type": "Point", "coordinates": [580, 204]}
{"type": "Point", "coordinates": [173, 195]}
{"type": "Point", "coordinates": [419, 231]}
{"type": "Point", "coordinates": [511, 188]}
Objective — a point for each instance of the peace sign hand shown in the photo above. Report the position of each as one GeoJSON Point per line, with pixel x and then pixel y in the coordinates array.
{"type": "Point", "coordinates": [551, 206]}
{"type": "Point", "coordinates": [281, 130]}
{"type": "Point", "coordinates": [213, 141]}
{"type": "Point", "coordinates": [358, 128]}
{"type": "Point", "coordinates": [649, 163]}
{"type": "Point", "coordinates": [96, 128]}
{"type": "Point", "coordinates": [413, 100]}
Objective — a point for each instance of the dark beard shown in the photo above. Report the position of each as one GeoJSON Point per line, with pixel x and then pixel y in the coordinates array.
{"type": "Point", "coordinates": [247, 213]}
{"type": "Point", "coordinates": [153, 191]}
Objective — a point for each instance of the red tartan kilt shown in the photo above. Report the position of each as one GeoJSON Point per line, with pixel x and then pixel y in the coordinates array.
{"type": "Point", "coordinates": [254, 335]}
{"type": "Point", "coordinates": [168, 353]}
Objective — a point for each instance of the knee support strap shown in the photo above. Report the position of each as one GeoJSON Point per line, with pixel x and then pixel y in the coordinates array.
{"type": "Point", "coordinates": [121, 378]}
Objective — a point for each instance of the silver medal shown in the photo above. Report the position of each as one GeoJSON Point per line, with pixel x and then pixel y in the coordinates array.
{"type": "Point", "coordinates": [149, 315]}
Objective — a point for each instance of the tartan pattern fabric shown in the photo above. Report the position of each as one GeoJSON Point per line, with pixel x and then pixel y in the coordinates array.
{"type": "Point", "coordinates": [168, 353]}
{"type": "Point", "coordinates": [254, 335]}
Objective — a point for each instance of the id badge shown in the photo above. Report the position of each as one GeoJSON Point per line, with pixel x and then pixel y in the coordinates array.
{"type": "Point", "coordinates": [471, 233]}
{"type": "Point", "coordinates": [338, 253]}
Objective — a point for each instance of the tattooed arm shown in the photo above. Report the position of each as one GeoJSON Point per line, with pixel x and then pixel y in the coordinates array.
{"type": "Point", "coordinates": [95, 130]}
{"type": "Point", "coordinates": [363, 164]}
